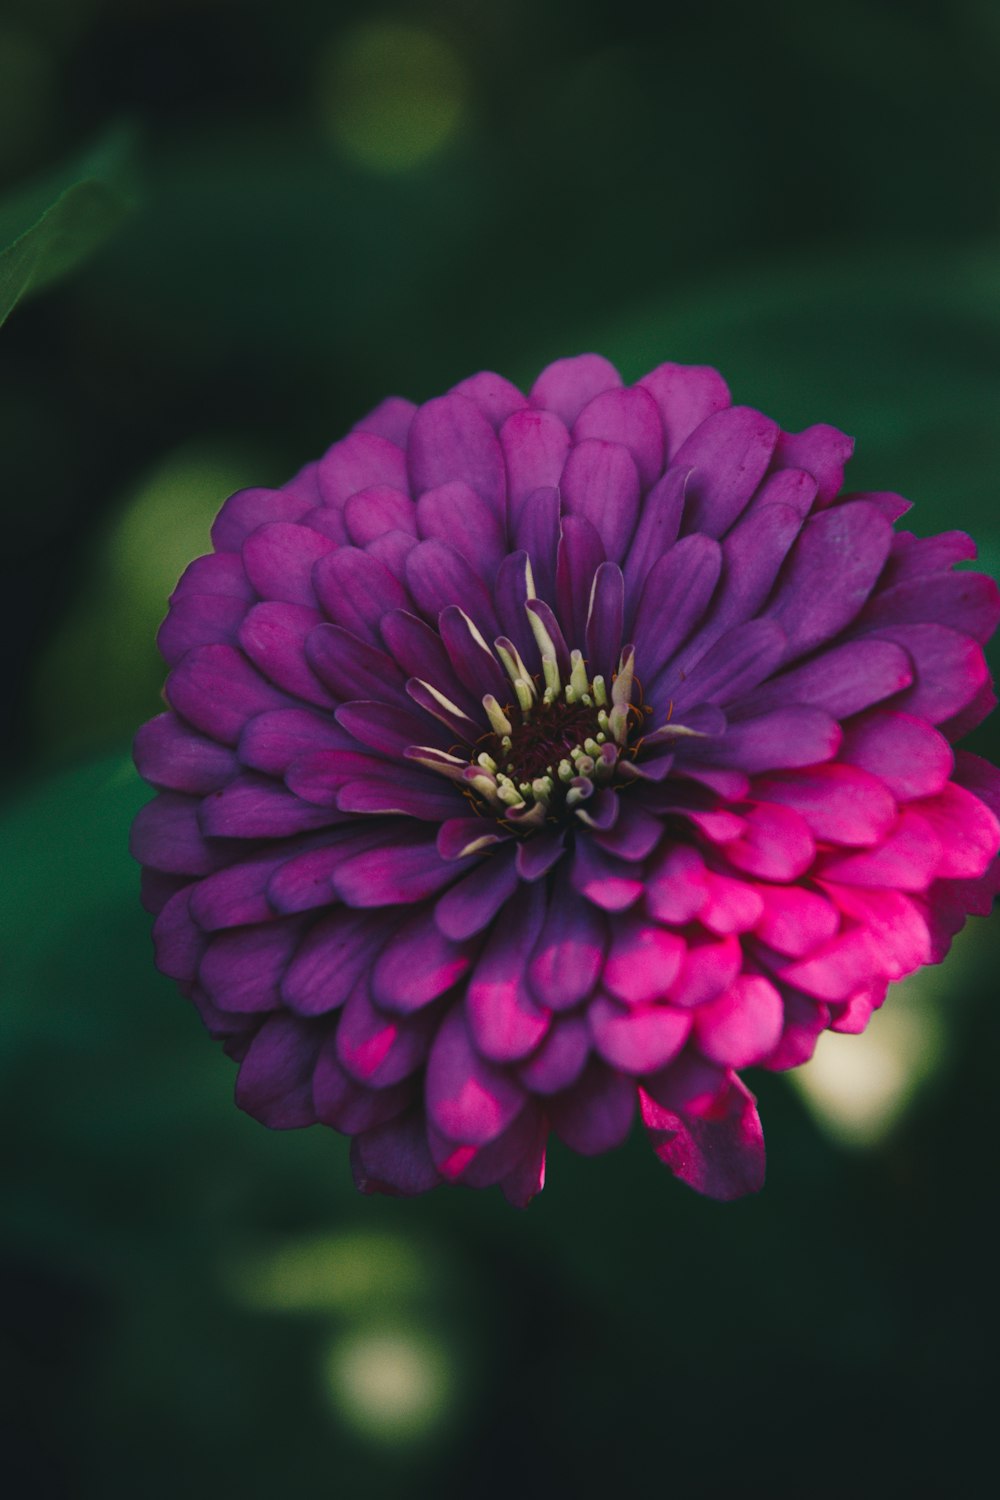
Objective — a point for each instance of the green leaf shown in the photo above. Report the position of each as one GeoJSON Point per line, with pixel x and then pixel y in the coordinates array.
{"type": "Point", "coordinates": [50, 227]}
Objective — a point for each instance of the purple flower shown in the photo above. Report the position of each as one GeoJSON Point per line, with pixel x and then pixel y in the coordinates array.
{"type": "Point", "coordinates": [532, 759]}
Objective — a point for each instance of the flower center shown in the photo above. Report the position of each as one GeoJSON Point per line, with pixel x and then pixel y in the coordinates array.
{"type": "Point", "coordinates": [556, 742]}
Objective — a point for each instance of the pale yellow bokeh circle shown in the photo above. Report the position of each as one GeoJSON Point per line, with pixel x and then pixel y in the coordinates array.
{"type": "Point", "coordinates": [391, 94]}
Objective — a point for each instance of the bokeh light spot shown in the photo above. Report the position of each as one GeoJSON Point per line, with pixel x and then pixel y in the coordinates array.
{"type": "Point", "coordinates": [333, 1273]}
{"type": "Point", "coordinates": [391, 95]}
{"type": "Point", "coordinates": [392, 1385]}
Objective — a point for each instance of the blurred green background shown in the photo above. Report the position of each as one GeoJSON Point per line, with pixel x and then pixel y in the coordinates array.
{"type": "Point", "coordinates": [272, 216]}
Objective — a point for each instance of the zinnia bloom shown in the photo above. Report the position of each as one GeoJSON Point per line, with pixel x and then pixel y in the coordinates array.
{"type": "Point", "coordinates": [531, 759]}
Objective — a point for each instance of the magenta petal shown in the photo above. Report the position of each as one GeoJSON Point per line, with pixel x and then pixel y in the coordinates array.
{"type": "Point", "coordinates": [630, 418]}
{"type": "Point", "coordinates": [606, 881]}
{"type": "Point", "coordinates": [822, 451]}
{"type": "Point", "coordinates": [743, 1025]}
{"type": "Point", "coordinates": [709, 967]}
{"type": "Point", "coordinates": [905, 753]}
{"type": "Point", "coordinates": [721, 1156]}
{"type": "Point", "coordinates": [842, 804]}
{"type": "Point", "coordinates": [675, 885]}
{"type": "Point", "coordinates": [504, 1020]}
{"type": "Point", "coordinates": [794, 920]}
{"type": "Point", "coordinates": [907, 858]}
{"type": "Point", "coordinates": [535, 445]}
{"type": "Point", "coordinates": [596, 1114]}
{"type": "Point", "coordinates": [637, 1039]}
{"type": "Point", "coordinates": [643, 961]}
{"type": "Point", "coordinates": [686, 396]}
{"type": "Point", "coordinates": [380, 1050]}
{"type": "Point", "coordinates": [345, 1104]}
{"type": "Point", "coordinates": [275, 1077]}
{"type": "Point", "coordinates": [776, 843]}
{"type": "Point", "coordinates": [394, 1158]}
{"type": "Point", "coordinates": [451, 439]}
{"type": "Point", "coordinates": [468, 1099]}
{"type": "Point", "coordinates": [566, 386]}
{"type": "Point", "coordinates": [968, 830]}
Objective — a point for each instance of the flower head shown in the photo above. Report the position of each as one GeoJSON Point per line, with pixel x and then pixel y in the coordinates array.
{"type": "Point", "coordinates": [535, 759]}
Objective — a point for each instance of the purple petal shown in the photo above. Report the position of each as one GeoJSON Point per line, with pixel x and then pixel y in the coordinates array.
{"type": "Point", "coordinates": [950, 670]}
{"type": "Point", "coordinates": [511, 592]}
{"type": "Point", "coordinates": [605, 620]}
{"type": "Point", "coordinates": [918, 556]}
{"type": "Point", "coordinates": [170, 755]}
{"type": "Point", "coordinates": [472, 903]}
{"type": "Point", "coordinates": [752, 556]}
{"type": "Point", "coordinates": [383, 727]}
{"type": "Point", "coordinates": [248, 509]}
{"type": "Point", "coordinates": [279, 561]}
{"type": "Point", "coordinates": [439, 576]}
{"type": "Point", "coordinates": [455, 514]}
{"type": "Point", "coordinates": [275, 1077]}
{"type": "Point", "coordinates": [457, 723]}
{"type": "Point", "coordinates": [656, 529]}
{"type": "Point", "coordinates": [720, 1155]}
{"type": "Point", "coordinates": [255, 807]}
{"type": "Point", "coordinates": [274, 638]}
{"type": "Point", "coordinates": [417, 964]}
{"type": "Point", "coordinates": [596, 1114]}
{"type": "Point", "coordinates": [630, 418]}
{"type": "Point", "coordinates": [561, 1057]}
{"type": "Point", "coordinates": [372, 512]}
{"type": "Point", "coordinates": [348, 1106]}
{"type": "Point", "coordinates": [600, 483]}
{"type": "Point", "coordinates": [451, 439]}
{"type": "Point", "coordinates": [566, 386]}
{"type": "Point", "coordinates": [420, 653]}
{"type": "Point", "coordinates": [237, 895]}
{"type": "Point", "coordinates": [355, 590]}
{"type": "Point", "coordinates": [911, 758]}
{"type": "Point", "coordinates": [728, 454]}
{"type": "Point", "coordinates": [635, 834]}
{"type": "Point", "coordinates": [351, 667]}
{"type": "Point", "coordinates": [357, 462]}
{"type": "Point", "coordinates": [738, 662]}
{"type": "Point", "coordinates": [394, 1158]}
{"type": "Point", "coordinates": [831, 570]}
{"type": "Point", "coordinates": [271, 741]}
{"type": "Point", "coordinates": [822, 451]}
{"type": "Point", "coordinates": [474, 664]}
{"type": "Point", "coordinates": [785, 737]}
{"type": "Point", "coordinates": [468, 1099]}
{"type": "Point", "coordinates": [242, 968]}
{"type": "Point", "coordinates": [218, 573]}
{"type": "Point", "coordinates": [541, 853]}
{"type": "Point", "coordinates": [390, 419]}
{"type": "Point", "coordinates": [167, 835]}
{"type": "Point", "coordinates": [792, 488]}
{"type": "Point", "coordinates": [304, 881]}
{"type": "Point", "coordinates": [637, 1040]}
{"type": "Point", "coordinates": [504, 1020]}
{"type": "Point", "coordinates": [842, 681]}
{"type": "Point", "coordinates": [535, 445]}
{"type": "Point", "coordinates": [177, 941]}
{"type": "Point", "coordinates": [217, 690]}
{"type": "Point", "coordinates": [569, 951]}
{"type": "Point", "coordinates": [536, 532]}
{"type": "Point", "coordinates": [673, 601]}
{"type": "Point", "coordinates": [334, 954]}
{"type": "Point", "coordinates": [495, 396]}
{"type": "Point", "coordinates": [199, 620]}
{"type": "Point", "coordinates": [580, 554]}
{"type": "Point", "coordinates": [686, 396]}
{"type": "Point", "coordinates": [380, 1050]}
{"type": "Point", "coordinates": [395, 874]}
